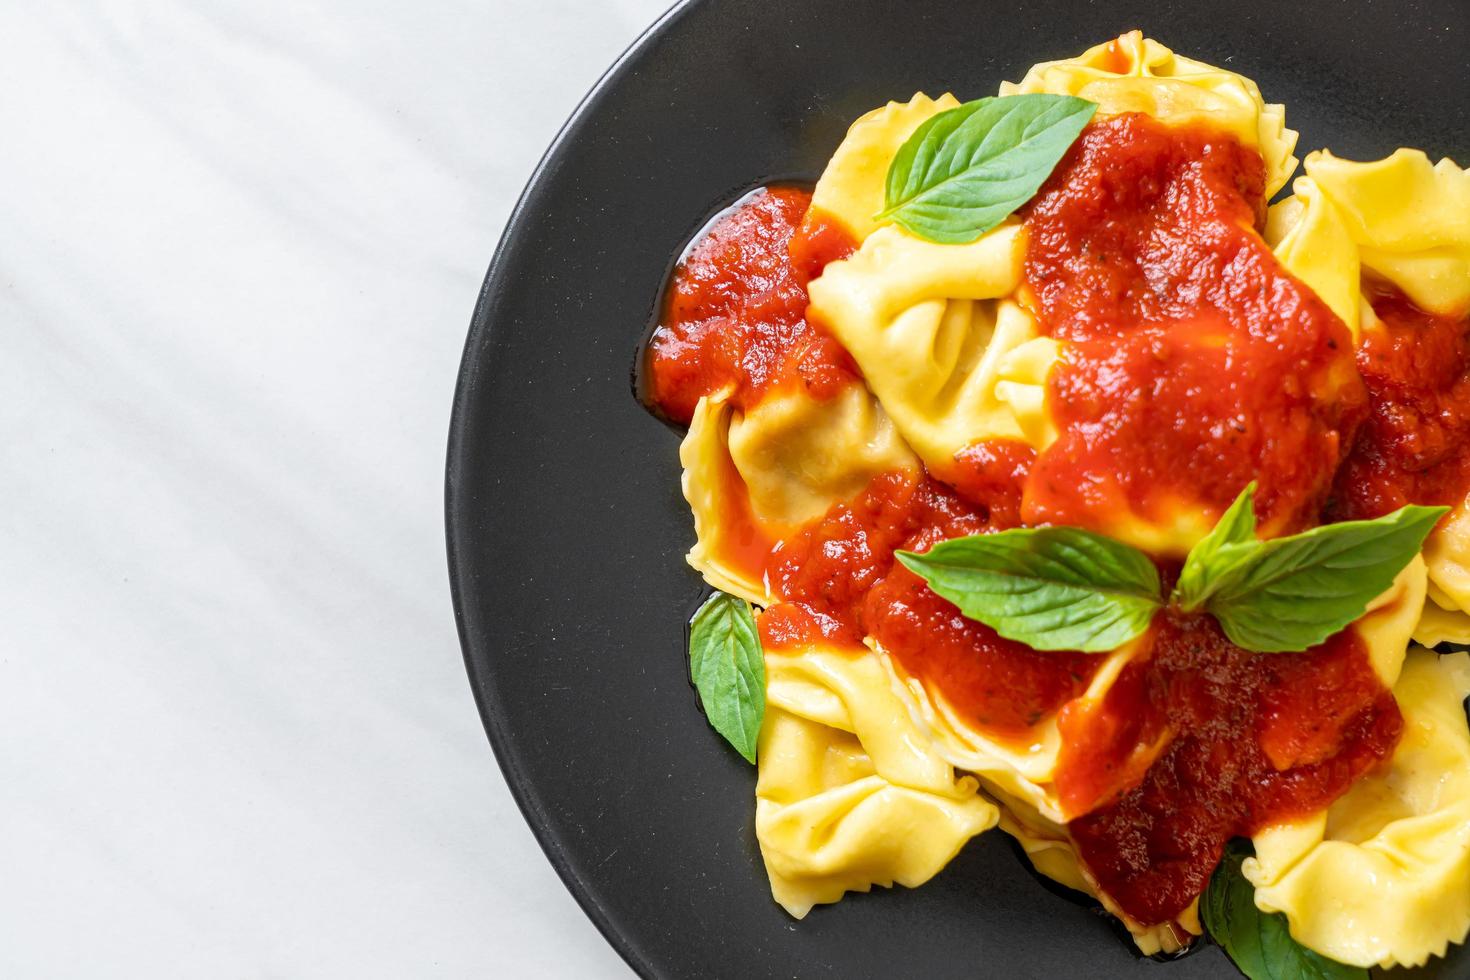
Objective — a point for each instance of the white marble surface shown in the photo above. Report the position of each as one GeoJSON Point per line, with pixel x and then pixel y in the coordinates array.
{"type": "Point", "coordinates": [239, 247]}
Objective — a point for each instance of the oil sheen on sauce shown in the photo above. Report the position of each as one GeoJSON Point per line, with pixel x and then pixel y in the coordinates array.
{"type": "Point", "coordinates": [1144, 256]}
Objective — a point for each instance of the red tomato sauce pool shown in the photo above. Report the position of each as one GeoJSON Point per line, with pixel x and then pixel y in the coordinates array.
{"type": "Point", "coordinates": [1197, 362]}
{"type": "Point", "coordinates": [842, 583]}
{"type": "Point", "coordinates": [735, 312]}
{"type": "Point", "coordinates": [1205, 741]}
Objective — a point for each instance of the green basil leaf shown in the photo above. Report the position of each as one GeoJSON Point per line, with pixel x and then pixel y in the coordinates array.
{"type": "Point", "coordinates": [1212, 554]}
{"type": "Point", "coordinates": [1292, 593]}
{"type": "Point", "coordinates": [1051, 588]}
{"type": "Point", "coordinates": [965, 170]}
{"type": "Point", "coordinates": [729, 670]}
{"type": "Point", "coordinates": [1259, 943]}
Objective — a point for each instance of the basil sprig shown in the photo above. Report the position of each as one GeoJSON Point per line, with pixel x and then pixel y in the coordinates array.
{"type": "Point", "coordinates": [1260, 943]}
{"type": "Point", "coordinates": [1063, 588]}
{"type": "Point", "coordinates": [729, 670]}
{"type": "Point", "coordinates": [1052, 588]}
{"type": "Point", "coordinates": [1292, 593]}
{"type": "Point", "coordinates": [1237, 526]}
{"type": "Point", "coordinates": [965, 170]}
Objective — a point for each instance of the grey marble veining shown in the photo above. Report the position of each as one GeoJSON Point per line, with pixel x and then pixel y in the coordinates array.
{"type": "Point", "coordinates": [239, 247]}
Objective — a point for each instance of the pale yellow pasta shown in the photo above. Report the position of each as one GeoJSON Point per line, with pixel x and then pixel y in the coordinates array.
{"type": "Point", "coordinates": [1447, 555]}
{"type": "Point", "coordinates": [1021, 768]}
{"type": "Point", "coordinates": [1178, 524]}
{"type": "Point", "coordinates": [1019, 774]}
{"type": "Point", "coordinates": [850, 190]}
{"type": "Point", "coordinates": [1311, 238]}
{"type": "Point", "coordinates": [1439, 625]}
{"type": "Point", "coordinates": [849, 690]}
{"type": "Point", "coordinates": [950, 357]}
{"type": "Point", "coordinates": [1138, 74]}
{"type": "Point", "coordinates": [798, 455]}
{"type": "Point", "coordinates": [1385, 632]}
{"type": "Point", "coordinates": [1401, 218]}
{"type": "Point", "coordinates": [951, 363]}
{"type": "Point", "coordinates": [709, 482]}
{"type": "Point", "coordinates": [1410, 220]}
{"type": "Point", "coordinates": [1383, 876]}
{"type": "Point", "coordinates": [1390, 620]}
{"type": "Point", "coordinates": [848, 795]}
{"type": "Point", "coordinates": [1046, 842]}
{"type": "Point", "coordinates": [788, 460]}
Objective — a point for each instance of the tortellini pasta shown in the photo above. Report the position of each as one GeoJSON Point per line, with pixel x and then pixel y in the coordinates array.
{"type": "Point", "coordinates": [1410, 220]}
{"type": "Point", "coordinates": [1138, 74]}
{"type": "Point", "coordinates": [1383, 876]}
{"type": "Point", "coordinates": [950, 361]}
{"type": "Point", "coordinates": [752, 476]}
{"type": "Point", "coordinates": [850, 191]}
{"type": "Point", "coordinates": [1440, 625]}
{"type": "Point", "coordinates": [797, 456]}
{"type": "Point", "coordinates": [1311, 239]}
{"type": "Point", "coordinates": [726, 538]}
{"type": "Point", "coordinates": [1447, 555]}
{"type": "Point", "coordinates": [848, 794]}
{"type": "Point", "coordinates": [1446, 615]}
{"type": "Point", "coordinates": [1401, 217]}
{"type": "Point", "coordinates": [1389, 622]}
{"type": "Point", "coordinates": [1019, 774]}
{"type": "Point", "coordinates": [1023, 769]}
{"type": "Point", "coordinates": [1020, 768]}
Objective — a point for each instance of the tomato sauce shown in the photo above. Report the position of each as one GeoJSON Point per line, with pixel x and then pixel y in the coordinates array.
{"type": "Point", "coordinates": [841, 573]}
{"type": "Point", "coordinates": [1415, 446]}
{"type": "Point", "coordinates": [735, 312]}
{"type": "Point", "coordinates": [1197, 363]}
{"type": "Point", "coordinates": [1204, 741]}
{"type": "Point", "coordinates": [999, 686]}
{"type": "Point", "coordinates": [1193, 364]}
{"type": "Point", "coordinates": [992, 473]}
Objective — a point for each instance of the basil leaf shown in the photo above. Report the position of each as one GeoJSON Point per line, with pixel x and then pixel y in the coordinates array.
{"type": "Point", "coordinates": [1211, 555]}
{"type": "Point", "coordinates": [1051, 588]}
{"type": "Point", "coordinates": [729, 670]}
{"type": "Point", "coordinates": [965, 170]}
{"type": "Point", "coordinates": [1292, 593]}
{"type": "Point", "coordinates": [1260, 943]}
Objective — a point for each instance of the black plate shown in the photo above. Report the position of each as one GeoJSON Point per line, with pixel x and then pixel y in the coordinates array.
{"type": "Point", "coordinates": [565, 523]}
